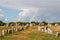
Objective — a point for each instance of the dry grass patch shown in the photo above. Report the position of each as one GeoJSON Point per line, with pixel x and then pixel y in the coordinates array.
{"type": "Point", "coordinates": [55, 29]}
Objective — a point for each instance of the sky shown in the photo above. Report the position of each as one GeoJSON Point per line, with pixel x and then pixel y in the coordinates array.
{"type": "Point", "coordinates": [30, 10]}
{"type": "Point", "coordinates": [8, 15]}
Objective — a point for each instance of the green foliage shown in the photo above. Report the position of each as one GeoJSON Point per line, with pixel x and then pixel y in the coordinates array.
{"type": "Point", "coordinates": [22, 23]}
{"type": "Point", "coordinates": [35, 22]}
{"type": "Point", "coordinates": [55, 23]}
{"type": "Point", "coordinates": [2, 23]}
{"type": "Point", "coordinates": [11, 23]}
{"type": "Point", "coordinates": [45, 23]}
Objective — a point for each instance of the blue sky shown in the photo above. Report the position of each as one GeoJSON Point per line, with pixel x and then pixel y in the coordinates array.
{"type": "Point", "coordinates": [9, 14]}
{"type": "Point", "coordinates": [30, 10]}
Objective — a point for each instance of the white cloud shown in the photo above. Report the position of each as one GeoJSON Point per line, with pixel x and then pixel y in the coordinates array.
{"type": "Point", "coordinates": [37, 10]}
{"type": "Point", "coordinates": [1, 13]}
{"type": "Point", "coordinates": [27, 13]}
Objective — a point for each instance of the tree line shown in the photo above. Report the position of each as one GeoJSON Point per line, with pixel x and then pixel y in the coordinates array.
{"type": "Point", "coordinates": [24, 23]}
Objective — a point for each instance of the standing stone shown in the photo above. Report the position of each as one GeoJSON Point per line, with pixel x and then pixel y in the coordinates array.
{"type": "Point", "coordinates": [46, 29]}
{"type": "Point", "coordinates": [49, 25]}
{"type": "Point", "coordinates": [16, 29]}
{"type": "Point", "coordinates": [39, 24]}
{"type": "Point", "coordinates": [16, 24]}
{"type": "Point", "coordinates": [7, 24]}
{"type": "Point", "coordinates": [39, 28]}
{"type": "Point", "coordinates": [3, 33]}
{"type": "Point", "coordinates": [21, 28]}
{"type": "Point", "coordinates": [42, 29]}
{"type": "Point", "coordinates": [50, 31]}
{"type": "Point", "coordinates": [57, 34]}
{"type": "Point", "coordinates": [42, 24]}
{"type": "Point", "coordinates": [6, 32]}
{"type": "Point", "coordinates": [10, 32]}
{"type": "Point", "coordinates": [26, 26]}
{"type": "Point", "coordinates": [56, 25]}
{"type": "Point", "coordinates": [31, 25]}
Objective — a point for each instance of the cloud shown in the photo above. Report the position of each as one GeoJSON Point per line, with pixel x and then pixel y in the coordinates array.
{"type": "Point", "coordinates": [1, 13]}
{"type": "Point", "coordinates": [27, 14]}
{"type": "Point", "coordinates": [38, 10]}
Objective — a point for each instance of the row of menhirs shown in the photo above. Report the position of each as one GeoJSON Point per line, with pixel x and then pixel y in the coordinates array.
{"type": "Point", "coordinates": [12, 30]}
{"type": "Point", "coordinates": [46, 29]}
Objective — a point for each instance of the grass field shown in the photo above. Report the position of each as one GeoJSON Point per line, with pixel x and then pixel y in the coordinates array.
{"type": "Point", "coordinates": [30, 34]}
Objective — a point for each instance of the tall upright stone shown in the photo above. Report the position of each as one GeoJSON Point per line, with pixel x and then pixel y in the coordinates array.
{"type": "Point", "coordinates": [16, 29]}
{"type": "Point", "coordinates": [10, 32]}
{"type": "Point", "coordinates": [39, 28]}
{"type": "Point", "coordinates": [31, 25]}
{"type": "Point", "coordinates": [57, 34]}
{"type": "Point", "coordinates": [6, 32]}
{"type": "Point", "coordinates": [7, 24]}
{"type": "Point", "coordinates": [42, 29]}
{"type": "Point", "coordinates": [56, 25]}
{"type": "Point", "coordinates": [26, 26]}
{"type": "Point", "coordinates": [46, 29]}
{"type": "Point", "coordinates": [50, 31]}
{"type": "Point", "coordinates": [3, 33]}
{"type": "Point", "coordinates": [49, 25]}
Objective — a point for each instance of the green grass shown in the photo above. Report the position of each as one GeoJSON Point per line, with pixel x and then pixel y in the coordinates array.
{"type": "Point", "coordinates": [42, 36]}
{"type": "Point", "coordinates": [10, 36]}
{"type": "Point", "coordinates": [33, 35]}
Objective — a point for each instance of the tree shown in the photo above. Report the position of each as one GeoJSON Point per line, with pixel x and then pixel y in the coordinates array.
{"type": "Point", "coordinates": [45, 23]}
{"type": "Point", "coordinates": [35, 22]}
{"type": "Point", "coordinates": [1, 23]}
{"type": "Point", "coordinates": [11, 23]}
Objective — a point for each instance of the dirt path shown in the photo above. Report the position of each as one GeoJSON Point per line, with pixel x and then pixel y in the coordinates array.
{"type": "Point", "coordinates": [24, 34]}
